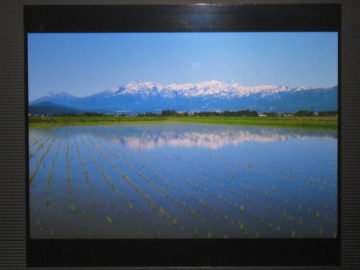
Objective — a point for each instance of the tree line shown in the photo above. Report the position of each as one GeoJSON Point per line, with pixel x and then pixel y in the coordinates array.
{"type": "Point", "coordinates": [244, 113]}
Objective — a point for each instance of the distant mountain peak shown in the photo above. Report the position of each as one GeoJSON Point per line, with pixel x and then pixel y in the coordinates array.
{"type": "Point", "coordinates": [58, 93]}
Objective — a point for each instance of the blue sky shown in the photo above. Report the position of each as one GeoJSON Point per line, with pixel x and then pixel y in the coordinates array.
{"type": "Point", "coordinates": [84, 64]}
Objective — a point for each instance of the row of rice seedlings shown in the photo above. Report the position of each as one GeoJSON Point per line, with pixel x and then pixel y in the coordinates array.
{"type": "Point", "coordinates": [206, 178]}
{"type": "Point", "coordinates": [287, 216]}
{"type": "Point", "coordinates": [202, 202]}
{"type": "Point", "coordinates": [297, 208]}
{"type": "Point", "coordinates": [241, 208]}
{"type": "Point", "coordinates": [269, 206]}
{"type": "Point", "coordinates": [189, 209]}
{"type": "Point", "coordinates": [44, 135]}
{"type": "Point", "coordinates": [41, 158]}
{"type": "Point", "coordinates": [220, 197]}
{"type": "Point", "coordinates": [285, 173]}
{"type": "Point", "coordinates": [151, 201]}
{"type": "Point", "coordinates": [112, 185]}
{"type": "Point", "coordinates": [36, 138]}
{"type": "Point", "coordinates": [232, 191]}
{"type": "Point", "coordinates": [143, 166]}
{"type": "Point", "coordinates": [220, 185]}
{"type": "Point", "coordinates": [198, 200]}
{"type": "Point", "coordinates": [255, 168]}
{"type": "Point", "coordinates": [167, 195]}
{"type": "Point", "coordinates": [52, 167]}
{"type": "Point", "coordinates": [68, 178]}
{"type": "Point", "coordinates": [103, 173]}
{"type": "Point", "coordinates": [266, 193]}
{"type": "Point", "coordinates": [84, 169]}
{"type": "Point", "coordinates": [40, 146]}
{"type": "Point", "coordinates": [158, 176]}
{"type": "Point", "coordinates": [275, 227]}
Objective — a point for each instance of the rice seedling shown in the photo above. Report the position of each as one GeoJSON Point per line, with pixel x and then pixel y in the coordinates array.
{"type": "Point", "coordinates": [173, 222]}
{"type": "Point", "coordinates": [195, 232]}
{"type": "Point", "coordinates": [73, 209]}
{"type": "Point", "coordinates": [48, 201]}
{"type": "Point", "coordinates": [109, 220]}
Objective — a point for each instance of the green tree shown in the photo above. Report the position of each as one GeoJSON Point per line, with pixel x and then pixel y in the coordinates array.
{"type": "Point", "coordinates": [304, 113]}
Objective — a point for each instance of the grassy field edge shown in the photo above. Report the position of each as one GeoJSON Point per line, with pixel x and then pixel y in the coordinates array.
{"type": "Point", "coordinates": [296, 122]}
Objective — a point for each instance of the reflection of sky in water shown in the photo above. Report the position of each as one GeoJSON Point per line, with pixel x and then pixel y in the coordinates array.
{"type": "Point", "coordinates": [207, 136]}
{"type": "Point", "coordinates": [283, 177]}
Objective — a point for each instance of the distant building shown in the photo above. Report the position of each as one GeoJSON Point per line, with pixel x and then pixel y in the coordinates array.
{"type": "Point", "coordinates": [262, 115]}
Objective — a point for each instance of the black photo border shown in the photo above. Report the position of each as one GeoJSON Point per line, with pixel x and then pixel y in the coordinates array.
{"type": "Point", "coordinates": [182, 18]}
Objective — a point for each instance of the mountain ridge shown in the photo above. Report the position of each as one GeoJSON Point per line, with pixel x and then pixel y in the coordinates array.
{"type": "Point", "coordinates": [138, 97]}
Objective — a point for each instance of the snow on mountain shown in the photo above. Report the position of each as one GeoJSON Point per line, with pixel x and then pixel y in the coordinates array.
{"type": "Point", "coordinates": [136, 97]}
{"type": "Point", "coordinates": [207, 88]}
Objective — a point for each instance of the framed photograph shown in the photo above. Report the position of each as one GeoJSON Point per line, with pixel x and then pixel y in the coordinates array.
{"type": "Point", "coordinates": [184, 135]}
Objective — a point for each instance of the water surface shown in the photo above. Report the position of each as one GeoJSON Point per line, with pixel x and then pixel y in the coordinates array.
{"type": "Point", "coordinates": [182, 181]}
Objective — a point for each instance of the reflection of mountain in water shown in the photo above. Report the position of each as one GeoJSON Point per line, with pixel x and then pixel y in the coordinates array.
{"type": "Point", "coordinates": [196, 135]}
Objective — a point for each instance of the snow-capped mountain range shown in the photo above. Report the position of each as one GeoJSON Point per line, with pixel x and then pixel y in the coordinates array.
{"type": "Point", "coordinates": [138, 97]}
{"type": "Point", "coordinates": [209, 88]}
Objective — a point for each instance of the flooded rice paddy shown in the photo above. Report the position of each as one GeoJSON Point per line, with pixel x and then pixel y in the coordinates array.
{"type": "Point", "coordinates": [182, 181]}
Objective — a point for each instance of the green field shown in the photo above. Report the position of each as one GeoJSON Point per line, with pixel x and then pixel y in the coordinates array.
{"type": "Point", "coordinates": [298, 122]}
